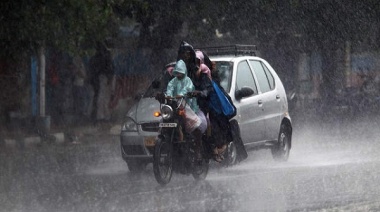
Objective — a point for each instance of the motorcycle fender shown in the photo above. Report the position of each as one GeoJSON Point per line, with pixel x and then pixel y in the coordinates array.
{"type": "Point", "coordinates": [162, 137]}
{"type": "Point", "coordinates": [167, 133]}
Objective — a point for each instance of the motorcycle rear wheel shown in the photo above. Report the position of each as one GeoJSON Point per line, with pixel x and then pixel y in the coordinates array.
{"type": "Point", "coordinates": [200, 173]}
{"type": "Point", "coordinates": [162, 161]}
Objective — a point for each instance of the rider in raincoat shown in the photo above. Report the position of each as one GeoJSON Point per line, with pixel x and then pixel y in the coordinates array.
{"type": "Point", "coordinates": [180, 85]}
{"type": "Point", "coordinates": [201, 71]}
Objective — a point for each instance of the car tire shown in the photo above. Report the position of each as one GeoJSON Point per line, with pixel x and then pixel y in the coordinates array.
{"type": "Point", "coordinates": [136, 166]}
{"type": "Point", "coordinates": [241, 152]}
{"type": "Point", "coordinates": [280, 151]}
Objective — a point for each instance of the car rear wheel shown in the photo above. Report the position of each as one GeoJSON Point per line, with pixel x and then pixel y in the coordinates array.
{"type": "Point", "coordinates": [281, 150]}
{"type": "Point", "coordinates": [162, 161]}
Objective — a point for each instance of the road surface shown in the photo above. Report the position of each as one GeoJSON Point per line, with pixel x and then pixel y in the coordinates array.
{"type": "Point", "coordinates": [333, 166]}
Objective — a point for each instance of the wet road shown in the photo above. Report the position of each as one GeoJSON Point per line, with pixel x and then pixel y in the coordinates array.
{"type": "Point", "coordinates": [333, 166]}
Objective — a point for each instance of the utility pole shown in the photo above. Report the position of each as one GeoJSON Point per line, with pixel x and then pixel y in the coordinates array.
{"type": "Point", "coordinates": [43, 120]}
{"type": "Point", "coordinates": [347, 64]}
{"type": "Point", "coordinates": [41, 71]}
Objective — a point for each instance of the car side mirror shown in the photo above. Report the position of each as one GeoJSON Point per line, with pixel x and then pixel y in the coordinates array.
{"type": "Point", "coordinates": [156, 84]}
{"type": "Point", "coordinates": [244, 92]}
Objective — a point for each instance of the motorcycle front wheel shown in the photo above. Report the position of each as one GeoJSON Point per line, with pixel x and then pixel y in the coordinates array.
{"type": "Point", "coordinates": [162, 161]}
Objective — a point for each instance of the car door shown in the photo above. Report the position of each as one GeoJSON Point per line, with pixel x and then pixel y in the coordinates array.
{"type": "Point", "coordinates": [250, 111]}
{"type": "Point", "coordinates": [271, 99]}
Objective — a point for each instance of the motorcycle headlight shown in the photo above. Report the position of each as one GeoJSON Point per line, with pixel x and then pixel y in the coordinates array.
{"type": "Point", "coordinates": [129, 125]}
{"type": "Point", "coordinates": [166, 112]}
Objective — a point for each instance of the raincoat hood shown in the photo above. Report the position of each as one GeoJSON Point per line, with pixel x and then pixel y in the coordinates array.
{"type": "Point", "coordinates": [180, 67]}
{"type": "Point", "coordinates": [185, 47]}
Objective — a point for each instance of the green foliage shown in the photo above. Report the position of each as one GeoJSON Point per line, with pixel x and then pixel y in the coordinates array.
{"type": "Point", "coordinates": [76, 25]}
{"type": "Point", "coordinates": [70, 25]}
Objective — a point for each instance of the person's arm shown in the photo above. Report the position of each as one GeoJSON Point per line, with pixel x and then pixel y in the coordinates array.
{"type": "Point", "coordinates": [170, 88]}
{"type": "Point", "coordinates": [188, 86]}
{"type": "Point", "coordinates": [206, 86]}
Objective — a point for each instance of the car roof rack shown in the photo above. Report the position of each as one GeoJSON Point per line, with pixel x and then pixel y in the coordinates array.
{"type": "Point", "coordinates": [237, 49]}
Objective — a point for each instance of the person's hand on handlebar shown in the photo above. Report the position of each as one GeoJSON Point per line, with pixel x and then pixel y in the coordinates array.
{"type": "Point", "coordinates": [170, 97]}
{"type": "Point", "coordinates": [193, 93]}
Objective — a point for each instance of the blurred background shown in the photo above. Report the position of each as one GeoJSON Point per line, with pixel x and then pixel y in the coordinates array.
{"type": "Point", "coordinates": [75, 62]}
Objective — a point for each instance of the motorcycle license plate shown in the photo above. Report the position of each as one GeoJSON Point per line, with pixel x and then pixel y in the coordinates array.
{"type": "Point", "coordinates": [150, 141]}
{"type": "Point", "coordinates": [168, 125]}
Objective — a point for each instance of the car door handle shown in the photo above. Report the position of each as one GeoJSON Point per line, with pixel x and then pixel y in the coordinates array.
{"type": "Point", "coordinates": [260, 102]}
{"type": "Point", "coordinates": [277, 96]}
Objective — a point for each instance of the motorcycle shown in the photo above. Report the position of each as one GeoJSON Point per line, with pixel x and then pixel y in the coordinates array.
{"type": "Point", "coordinates": [174, 149]}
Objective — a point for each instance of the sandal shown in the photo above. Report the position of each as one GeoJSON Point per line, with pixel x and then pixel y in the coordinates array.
{"type": "Point", "coordinates": [216, 156]}
{"type": "Point", "coordinates": [222, 149]}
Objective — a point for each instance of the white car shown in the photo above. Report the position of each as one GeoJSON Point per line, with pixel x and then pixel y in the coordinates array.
{"type": "Point", "coordinates": [262, 119]}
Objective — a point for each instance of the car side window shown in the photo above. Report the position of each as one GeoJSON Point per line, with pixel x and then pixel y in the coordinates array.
{"type": "Point", "coordinates": [224, 70]}
{"type": "Point", "coordinates": [270, 76]}
{"type": "Point", "coordinates": [266, 82]}
{"type": "Point", "coordinates": [244, 77]}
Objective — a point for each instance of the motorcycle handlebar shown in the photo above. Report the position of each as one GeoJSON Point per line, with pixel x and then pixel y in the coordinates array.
{"type": "Point", "coordinates": [161, 96]}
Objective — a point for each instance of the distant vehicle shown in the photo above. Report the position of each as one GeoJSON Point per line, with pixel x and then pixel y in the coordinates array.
{"type": "Point", "coordinates": [262, 119]}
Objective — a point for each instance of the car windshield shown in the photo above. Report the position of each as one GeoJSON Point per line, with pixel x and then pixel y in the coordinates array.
{"type": "Point", "coordinates": [224, 69]}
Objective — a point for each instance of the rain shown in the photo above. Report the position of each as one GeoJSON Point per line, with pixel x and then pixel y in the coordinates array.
{"type": "Point", "coordinates": [71, 71]}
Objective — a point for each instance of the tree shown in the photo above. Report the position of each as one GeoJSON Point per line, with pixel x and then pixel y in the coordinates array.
{"type": "Point", "coordinates": [73, 26]}
{"type": "Point", "coordinates": [329, 24]}
{"type": "Point", "coordinates": [159, 20]}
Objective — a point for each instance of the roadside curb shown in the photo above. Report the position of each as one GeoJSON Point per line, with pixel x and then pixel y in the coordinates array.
{"type": "Point", "coordinates": [58, 137]}
{"type": "Point", "coordinates": [33, 140]}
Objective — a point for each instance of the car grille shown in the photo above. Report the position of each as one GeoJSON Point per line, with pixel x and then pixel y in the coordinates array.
{"type": "Point", "coordinates": [150, 127]}
{"type": "Point", "coordinates": [133, 150]}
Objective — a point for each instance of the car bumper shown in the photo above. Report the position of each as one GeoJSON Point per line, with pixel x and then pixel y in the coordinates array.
{"type": "Point", "coordinates": [137, 146]}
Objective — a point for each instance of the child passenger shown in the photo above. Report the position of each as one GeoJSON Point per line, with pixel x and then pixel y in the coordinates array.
{"type": "Point", "coordinates": [179, 86]}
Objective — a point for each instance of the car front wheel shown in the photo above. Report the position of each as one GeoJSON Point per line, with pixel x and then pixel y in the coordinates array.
{"type": "Point", "coordinates": [281, 150]}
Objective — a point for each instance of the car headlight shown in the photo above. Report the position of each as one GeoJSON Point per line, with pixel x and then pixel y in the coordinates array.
{"type": "Point", "coordinates": [166, 112]}
{"type": "Point", "coordinates": [129, 125]}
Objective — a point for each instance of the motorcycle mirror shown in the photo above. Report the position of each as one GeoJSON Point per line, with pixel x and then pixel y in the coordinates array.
{"type": "Point", "coordinates": [156, 84]}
